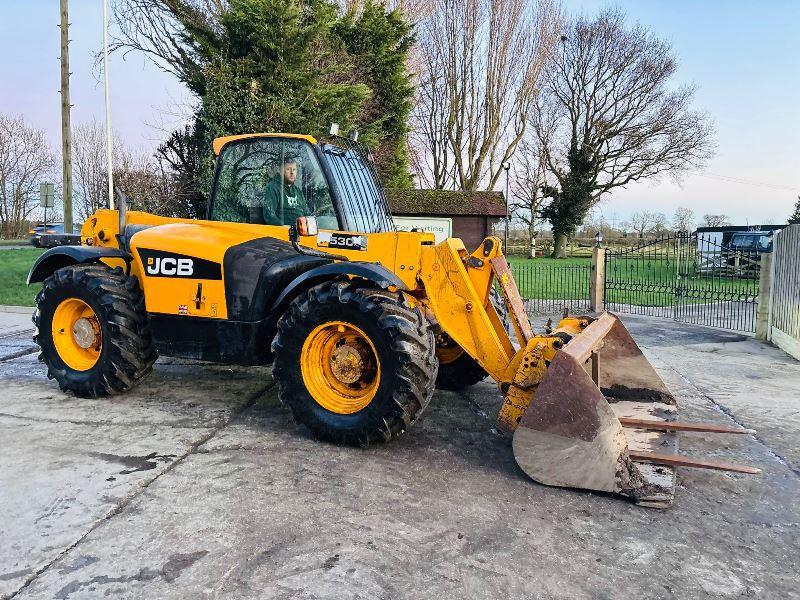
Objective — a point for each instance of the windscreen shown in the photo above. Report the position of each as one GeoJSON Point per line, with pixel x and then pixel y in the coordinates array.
{"type": "Point", "coordinates": [754, 241]}
{"type": "Point", "coordinates": [271, 181]}
{"type": "Point", "coordinates": [363, 204]}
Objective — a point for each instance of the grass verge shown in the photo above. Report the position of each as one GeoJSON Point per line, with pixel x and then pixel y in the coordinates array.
{"type": "Point", "coordinates": [14, 267]}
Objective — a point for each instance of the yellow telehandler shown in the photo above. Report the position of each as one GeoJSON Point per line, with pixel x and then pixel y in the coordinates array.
{"type": "Point", "coordinates": [299, 264]}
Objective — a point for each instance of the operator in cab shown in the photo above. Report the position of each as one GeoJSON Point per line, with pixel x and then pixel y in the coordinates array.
{"type": "Point", "coordinates": [283, 201]}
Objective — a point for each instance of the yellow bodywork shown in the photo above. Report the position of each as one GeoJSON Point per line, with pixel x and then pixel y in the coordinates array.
{"type": "Point", "coordinates": [570, 436]}
{"type": "Point", "coordinates": [400, 252]}
{"type": "Point", "coordinates": [448, 282]}
{"type": "Point", "coordinates": [529, 371]}
{"type": "Point", "coordinates": [451, 284]}
{"type": "Point", "coordinates": [220, 142]}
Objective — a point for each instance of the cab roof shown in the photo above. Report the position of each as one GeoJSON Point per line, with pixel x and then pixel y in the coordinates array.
{"type": "Point", "coordinates": [220, 142]}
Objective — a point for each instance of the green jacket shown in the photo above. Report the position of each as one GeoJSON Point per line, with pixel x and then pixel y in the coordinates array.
{"type": "Point", "coordinates": [283, 203]}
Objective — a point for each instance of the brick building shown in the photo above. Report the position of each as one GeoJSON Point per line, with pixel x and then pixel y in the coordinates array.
{"type": "Point", "coordinates": [470, 216]}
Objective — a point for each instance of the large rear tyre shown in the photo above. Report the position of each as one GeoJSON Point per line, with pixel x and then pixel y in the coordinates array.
{"type": "Point", "coordinates": [93, 330]}
{"type": "Point", "coordinates": [354, 365]}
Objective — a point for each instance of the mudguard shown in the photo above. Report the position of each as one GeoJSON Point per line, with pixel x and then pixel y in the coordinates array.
{"type": "Point", "coordinates": [63, 256]}
{"type": "Point", "coordinates": [376, 273]}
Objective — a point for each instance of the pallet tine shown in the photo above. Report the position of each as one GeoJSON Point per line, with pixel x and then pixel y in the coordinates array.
{"type": "Point", "coordinates": [681, 426]}
{"type": "Point", "coordinates": [676, 460]}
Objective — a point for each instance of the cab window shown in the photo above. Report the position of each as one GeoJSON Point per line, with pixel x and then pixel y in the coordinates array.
{"type": "Point", "coordinates": [363, 203]}
{"type": "Point", "coordinates": [271, 181]}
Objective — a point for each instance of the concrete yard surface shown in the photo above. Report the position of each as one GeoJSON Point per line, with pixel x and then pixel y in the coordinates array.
{"type": "Point", "coordinates": [198, 484]}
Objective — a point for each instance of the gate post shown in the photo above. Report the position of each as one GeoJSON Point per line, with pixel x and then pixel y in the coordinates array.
{"type": "Point", "coordinates": [764, 294]}
{"type": "Point", "coordinates": [597, 280]}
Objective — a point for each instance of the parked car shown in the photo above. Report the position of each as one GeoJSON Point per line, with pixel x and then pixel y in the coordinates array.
{"type": "Point", "coordinates": [41, 229]}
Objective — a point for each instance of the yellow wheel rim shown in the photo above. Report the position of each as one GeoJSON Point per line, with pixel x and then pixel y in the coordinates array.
{"type": "Point", "coordinates": [76, 334]}
{"type": "Point", "coordinates": [448, 351]}
{"type": "Point", "coordinates": [340, 367]}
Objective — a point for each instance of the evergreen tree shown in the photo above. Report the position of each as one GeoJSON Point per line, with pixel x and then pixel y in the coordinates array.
{"type": "Point", "coordinates": [296, 66]}
{"type": "Point", "coordinates": [379, 42]}
{"type": "Point", "coordinates": [795, 218]}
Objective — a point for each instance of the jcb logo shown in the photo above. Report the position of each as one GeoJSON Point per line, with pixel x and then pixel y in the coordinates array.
{"type": "Point", "coordinates": [176, 267]}
{"type": "Point", "coordinates": [157, 263]}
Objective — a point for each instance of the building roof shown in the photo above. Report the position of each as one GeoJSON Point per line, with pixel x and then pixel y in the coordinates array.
{"type": "Point", "coordinates": [446, 203]}
{"type": "Point", "coordinates": [738, 228]}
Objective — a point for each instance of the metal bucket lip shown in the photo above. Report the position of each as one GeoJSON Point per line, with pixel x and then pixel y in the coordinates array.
{"type": "Point", "coordinates": [571, 415]}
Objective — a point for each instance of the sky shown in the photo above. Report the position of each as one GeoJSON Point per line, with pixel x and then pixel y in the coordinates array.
{"type": "Point", "coordinates": [743, 56]}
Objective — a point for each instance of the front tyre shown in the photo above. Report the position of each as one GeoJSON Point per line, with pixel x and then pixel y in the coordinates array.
{"type": "Point", "coordinates": [457, 369]}
{"type": "Point", "coordinates": [93, 330]}
{"type": "Point", "coordinates": [354, 365]}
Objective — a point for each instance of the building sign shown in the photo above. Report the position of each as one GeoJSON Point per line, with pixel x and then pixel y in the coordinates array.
{"type": "Point", "coordinates": [440, 227]}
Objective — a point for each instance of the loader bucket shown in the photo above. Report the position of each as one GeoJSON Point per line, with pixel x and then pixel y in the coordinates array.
{"type": "Point", "coordinates": [571, 434]}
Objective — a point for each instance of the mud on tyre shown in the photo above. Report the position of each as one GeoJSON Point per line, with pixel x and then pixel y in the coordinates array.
{"type": "Point", "coordinates": [93, 330]}
{"type": "Point", "coordinates": [355, 365]}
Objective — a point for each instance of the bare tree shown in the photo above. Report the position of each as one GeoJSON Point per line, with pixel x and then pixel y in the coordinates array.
{"type": "Point", "coordinates": [659, 223]}
{"type": "Point", "coordinates": [607, 117]}
{"type": "Point", "coordinates": [90, 166]}
{"type": "Point", "coordinates": [26, 160]}
{"type": "Point", "coordinates": [527, 199]}
{"type": "Point", "coordinates": [595, 222]}
{"type": "Point", "coordinates": [481, 63]}
{"type": "Point", "coordinates": [644, 221]}
{"type": "Point", "coordinates": [683, 219]}
{"type": "Point", "coordinates": [147, 185]}
{"type": "Point", "coordinates": [150, 182]}
{"type": "Point", "coordinates": [413, 9]}
{"type": "Point", "coordinates": [181, 158]}
{"type": "Point", "coordinates": [157, 29]}
{"type": "Point", "coordinates": [716, 220]}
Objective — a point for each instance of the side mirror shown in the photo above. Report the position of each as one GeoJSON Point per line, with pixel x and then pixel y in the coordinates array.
{"type": "Point", "coordinates": [306, 226]}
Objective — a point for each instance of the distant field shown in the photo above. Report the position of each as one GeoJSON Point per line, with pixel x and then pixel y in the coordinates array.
{"type": "Point", "coordinates": [552, 278]}
{"type": "Point", "coordinates": [628, 281]}
{"type": "Point", "coordinates": [652, 283]}
{"type": "Point", "coordinates": [14, 267]}
{"type": "Point", "coordinates": [631, 280]}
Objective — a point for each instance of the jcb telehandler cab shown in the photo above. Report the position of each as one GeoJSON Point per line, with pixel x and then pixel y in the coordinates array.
{"type": "Point", "coordinates": [299, 264]}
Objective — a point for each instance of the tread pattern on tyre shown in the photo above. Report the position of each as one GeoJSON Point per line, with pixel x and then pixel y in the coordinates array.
{"type": "Point", "coordinates": [403, 332]}
{"type": "Point", "coordinates": [128, 351]}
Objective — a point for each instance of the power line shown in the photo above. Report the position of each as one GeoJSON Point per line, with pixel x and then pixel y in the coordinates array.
{"type": "Point", "coordinates": [741, 181]}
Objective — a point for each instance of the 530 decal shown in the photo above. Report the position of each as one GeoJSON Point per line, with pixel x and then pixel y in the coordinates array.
{"type": "Point", "coordinates": [168, 264]}
{"type": "Point", "coordinates": [345, 241]}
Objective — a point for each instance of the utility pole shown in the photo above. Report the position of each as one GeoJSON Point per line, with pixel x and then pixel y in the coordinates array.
{"type": "Point", "coordinates": [66, 128]}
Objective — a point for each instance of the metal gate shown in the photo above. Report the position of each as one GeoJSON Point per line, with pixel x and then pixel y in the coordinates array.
{"type": "Point", "coordinates": [689, 278]}
{"type": "Point", "coordinates": [549, 288]}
